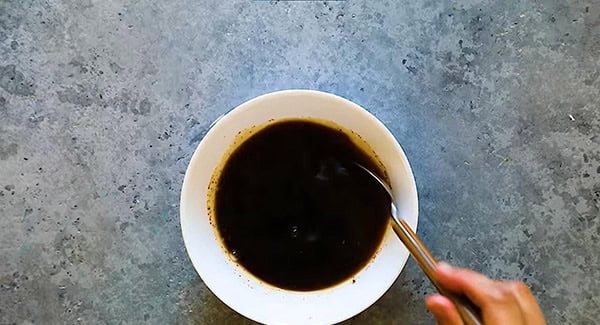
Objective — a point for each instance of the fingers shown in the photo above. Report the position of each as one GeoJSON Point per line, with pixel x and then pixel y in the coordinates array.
{"type": "Point", "coordinates": [500, 302]}
{"type": "Point", "coordinates": [444, 311]}
{"type": "Point", "coordinates": [529, 306]}
{"type": "Point", "coordinates": [475, 286]}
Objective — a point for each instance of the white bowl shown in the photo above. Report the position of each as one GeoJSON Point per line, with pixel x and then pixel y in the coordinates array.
{"type": "Point", "coordinates": [243, 292]}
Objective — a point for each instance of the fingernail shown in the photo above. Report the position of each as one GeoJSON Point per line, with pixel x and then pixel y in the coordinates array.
{"type": "Point", "coordinates": [444, 267]}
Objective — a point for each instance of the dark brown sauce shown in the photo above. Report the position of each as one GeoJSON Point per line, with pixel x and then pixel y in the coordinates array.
{"type": "Point", "coordinates": [294, 210]}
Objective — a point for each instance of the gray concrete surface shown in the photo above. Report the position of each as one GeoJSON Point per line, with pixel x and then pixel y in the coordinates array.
{"type": "Point", "coordinates": [102, 103]}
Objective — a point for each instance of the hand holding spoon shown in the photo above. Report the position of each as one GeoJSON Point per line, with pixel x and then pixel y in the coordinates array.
{"type": "Point", "coordinates": [468, 311]}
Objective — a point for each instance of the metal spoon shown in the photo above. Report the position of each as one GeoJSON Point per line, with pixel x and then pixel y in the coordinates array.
{"type": "Point", "coordinates": [469, 313]}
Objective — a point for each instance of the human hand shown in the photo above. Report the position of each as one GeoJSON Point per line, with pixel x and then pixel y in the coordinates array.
{"type": "Point", "coordinates": [500, 302]}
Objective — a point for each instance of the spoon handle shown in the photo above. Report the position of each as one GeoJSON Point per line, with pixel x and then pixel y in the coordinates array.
{"type": "Point", "coordinates": [469, 313]}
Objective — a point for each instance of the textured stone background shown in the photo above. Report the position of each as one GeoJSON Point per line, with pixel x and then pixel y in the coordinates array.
{"type": "Point", "coordinates": [102, 103]}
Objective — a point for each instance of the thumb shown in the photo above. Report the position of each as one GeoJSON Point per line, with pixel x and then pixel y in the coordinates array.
{"type": "Point", "coordinates": [443, 309]}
